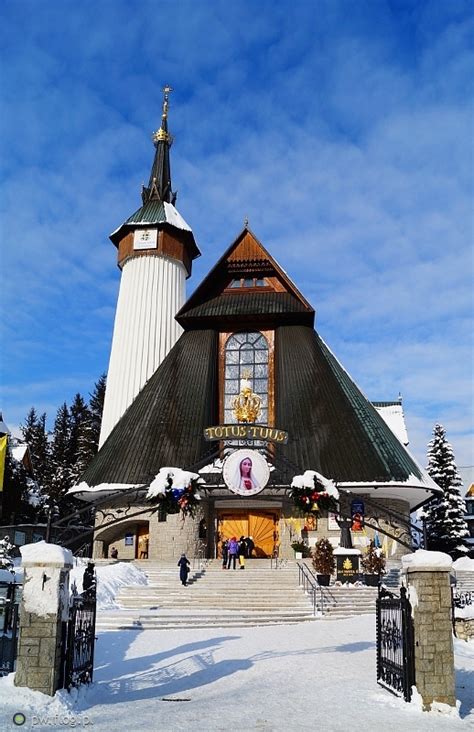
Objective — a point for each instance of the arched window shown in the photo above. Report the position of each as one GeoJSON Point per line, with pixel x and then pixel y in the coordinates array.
{"type": "Point", "coordinates": [246, 354]}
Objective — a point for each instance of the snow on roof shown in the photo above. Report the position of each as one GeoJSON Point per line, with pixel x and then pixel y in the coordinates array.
{"type": "Point", "coordinates": [392, 414]}
{"type": "Point", "coordinates": [86, 492]}
{"type": "Point", "coordinates": [40, 552]}
{"type": "Point", "coordinates": [172, 217]}
{"type": "Point", "coordinates": [424, 560]}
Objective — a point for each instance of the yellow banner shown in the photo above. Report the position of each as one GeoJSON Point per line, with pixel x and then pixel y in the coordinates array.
{"type": "Point", "coordinates": [3, 454]}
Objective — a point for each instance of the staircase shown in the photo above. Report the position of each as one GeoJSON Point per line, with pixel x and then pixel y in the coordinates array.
{"type": "Point", "coordinates": [391, 578]}
{"type": "Point", "coordinates": [257, 595]}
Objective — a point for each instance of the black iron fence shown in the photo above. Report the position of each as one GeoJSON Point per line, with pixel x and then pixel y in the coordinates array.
{"type": "Point", "coordinates": [10, 595]}
{"type": "Point", "coordinates": [395, 643]}
{"type": "Point", "coordinates": [79, 637]}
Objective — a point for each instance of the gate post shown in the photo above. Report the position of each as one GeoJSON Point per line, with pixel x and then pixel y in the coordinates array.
{"type": "Point", "coordinates": [427, 577]}
{"type": "Point", "coordinates": [44, 608]}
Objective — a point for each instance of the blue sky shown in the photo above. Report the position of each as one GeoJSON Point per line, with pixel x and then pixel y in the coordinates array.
{"type": "Point", "coordinates": [342, 130]}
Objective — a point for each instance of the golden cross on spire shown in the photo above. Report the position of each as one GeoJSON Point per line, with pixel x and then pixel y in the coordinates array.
{"type": "Point", "coordinates": [166, 91]}
{"type": "Point", "coordinates": [162, 133]}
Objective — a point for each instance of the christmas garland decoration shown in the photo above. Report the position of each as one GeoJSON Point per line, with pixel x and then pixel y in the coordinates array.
{"type": "Point", "coordinates": [312, 493]}
{"type": "Point", "coordinates": [175, 491]}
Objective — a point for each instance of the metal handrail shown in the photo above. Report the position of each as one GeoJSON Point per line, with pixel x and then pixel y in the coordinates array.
{"type": "Point", "coordinates": [307, 579]}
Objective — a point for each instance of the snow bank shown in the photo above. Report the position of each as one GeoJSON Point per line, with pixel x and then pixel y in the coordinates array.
{"type": "Point", "coordinates": [464, 564]}
{"type": "Point", "coordinates": [110, 580]}
{"type": "Point", "coordinates": [40, 551]}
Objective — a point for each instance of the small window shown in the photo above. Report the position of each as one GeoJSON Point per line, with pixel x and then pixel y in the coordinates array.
{"type": "Point", "coordinates": [248, 282]}
{"type": "Point", "coordinates": [260, 282]}
{"type": "Point", "coordinates": [235, 283]}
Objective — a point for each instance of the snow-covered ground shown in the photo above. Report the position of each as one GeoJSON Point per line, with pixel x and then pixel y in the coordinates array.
{"type": "Point", "coordinates": [313, 676]}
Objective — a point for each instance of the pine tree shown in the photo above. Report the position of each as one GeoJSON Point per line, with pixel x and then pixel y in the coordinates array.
{"type": "Point", "coordinates": [6, 554]}
{"type": "Point", "coordinates": [446, 526]}
{"type": "Point", "coordinates": [20, 492]}
{"type": "Point", "coordinates": [34, 433]}
{"type": "Point", "coordinates": [96, 407]}
{"type": "Point", "coordinates": [61, 455]}
{"type": "Point", "coordinates": [80, 427]}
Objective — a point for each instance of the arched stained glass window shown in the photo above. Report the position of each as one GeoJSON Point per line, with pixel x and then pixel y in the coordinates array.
{"type": "Point", "coordinates": [246, 353]}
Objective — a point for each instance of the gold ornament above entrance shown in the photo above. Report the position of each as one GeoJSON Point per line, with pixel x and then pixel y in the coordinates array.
{"type": "Point", "coordinates": [259, 432]}
{"type": "Point", "coordinates": [245, 472]}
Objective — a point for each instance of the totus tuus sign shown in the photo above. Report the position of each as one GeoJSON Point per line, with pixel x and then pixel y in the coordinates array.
{"type": "Point", "coordinates": [246, 432]}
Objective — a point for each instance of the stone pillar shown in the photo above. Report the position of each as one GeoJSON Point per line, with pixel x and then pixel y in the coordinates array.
{"type": "Point", "coordinates": [44, 608]}
{"type": "Point", "coordinates": [429, 592]}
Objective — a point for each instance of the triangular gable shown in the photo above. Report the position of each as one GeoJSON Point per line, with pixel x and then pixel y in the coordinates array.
{"type": "Point", "coordinates": [245, 254]}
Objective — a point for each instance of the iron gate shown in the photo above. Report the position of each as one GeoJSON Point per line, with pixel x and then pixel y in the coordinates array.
{"type": "Point", "coordinates": [10, 593]}
{"type": "Point", "coordinates": [395, 643]}
{"type": "Point", "coordinates": [79, 639]}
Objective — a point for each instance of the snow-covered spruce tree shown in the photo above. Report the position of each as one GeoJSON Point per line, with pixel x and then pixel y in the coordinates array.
{"type": "Point", "coordinates": [446, 527]}
{"type": "Point", "coordinates": [61, 456]}
{"type": "Point", "coordinates": [79, 430]}
{"type": "Point", "coordinates": [20, 492]}
{"type": "Point", "coordinates": [35, 435]}
{"type": "Point", "coordinates": [88, 430]}
{"type": "Point", "coordinates": [6, 554]}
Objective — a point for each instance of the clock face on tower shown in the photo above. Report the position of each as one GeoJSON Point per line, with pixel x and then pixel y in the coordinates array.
{"type": "Point", "coordinates": [145, 239]}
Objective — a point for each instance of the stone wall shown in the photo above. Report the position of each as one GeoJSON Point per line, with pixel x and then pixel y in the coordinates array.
{"type": "Point", "coordinates": [39, 651]}
{"type": "Point", "coordinates": [464, 628]}
{"type": "Point", "coordinates": [167, 539]}
{"type": "Point", "coordinates": [430, 597]}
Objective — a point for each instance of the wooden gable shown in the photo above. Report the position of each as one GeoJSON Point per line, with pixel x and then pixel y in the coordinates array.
{"type": "Point", "coordinates": [218, 295]}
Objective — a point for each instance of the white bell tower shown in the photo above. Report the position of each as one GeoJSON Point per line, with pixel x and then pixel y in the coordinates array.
{"type": "Point", "coordinates": [155, 252]}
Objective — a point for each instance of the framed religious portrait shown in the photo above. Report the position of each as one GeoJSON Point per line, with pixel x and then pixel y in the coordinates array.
{"type": "Point", "coordinates": [246, 472]}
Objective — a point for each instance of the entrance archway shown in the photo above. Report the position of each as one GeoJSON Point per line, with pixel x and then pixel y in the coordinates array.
{"type": "Point", "coordinates": [261, 525]}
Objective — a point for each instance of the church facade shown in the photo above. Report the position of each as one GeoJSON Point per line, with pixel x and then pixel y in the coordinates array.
{"type": "Point", "coordinates": [234, 385]}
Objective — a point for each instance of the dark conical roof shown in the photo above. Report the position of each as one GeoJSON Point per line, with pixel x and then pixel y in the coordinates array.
{"type": "Point", "coordinates": [332, 426]}
{"type": "Point", "coordinates": [164, 425]}
{"type": "Point", "coordinates": [159, 185]}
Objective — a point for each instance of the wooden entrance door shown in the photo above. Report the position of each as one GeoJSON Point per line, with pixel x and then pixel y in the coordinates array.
{"type": "Point", "coordinates": [262, 526]}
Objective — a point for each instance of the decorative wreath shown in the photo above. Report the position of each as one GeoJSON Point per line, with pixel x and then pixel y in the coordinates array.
{"type": "Point", "coordinates": [312, 492]}
{"type": "Point", "coordinates": [175, 491]}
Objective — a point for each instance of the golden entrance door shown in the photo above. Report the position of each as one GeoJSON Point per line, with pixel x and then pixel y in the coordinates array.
{"type": "Point", "coordinates": [262, 526]}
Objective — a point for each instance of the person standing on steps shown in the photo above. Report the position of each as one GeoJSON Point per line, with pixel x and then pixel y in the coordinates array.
{"type": "Point", "coordinates": [225, 553]}
{"type": "Point", "coordinates": [242, 552]}
{"type": "Point", "coordinates": [114, 553]}
{"type": "Point", "coordinates": [250, 546]}
{"type": "Point", "coordinates": [184, 565]}
{"type": "Point", "coordinates": [233, 548]}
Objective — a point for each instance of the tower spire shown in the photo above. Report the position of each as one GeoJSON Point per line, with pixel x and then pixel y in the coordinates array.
{"type": "Point", "coordinates": [159, 185]}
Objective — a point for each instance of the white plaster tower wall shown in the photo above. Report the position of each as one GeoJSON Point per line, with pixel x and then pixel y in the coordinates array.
{"type": "Point", "coordinates": [152, 290]}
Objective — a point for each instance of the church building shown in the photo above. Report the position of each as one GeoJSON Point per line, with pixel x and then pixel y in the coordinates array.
{"type": "Point", "coordinates": [234, 385]}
